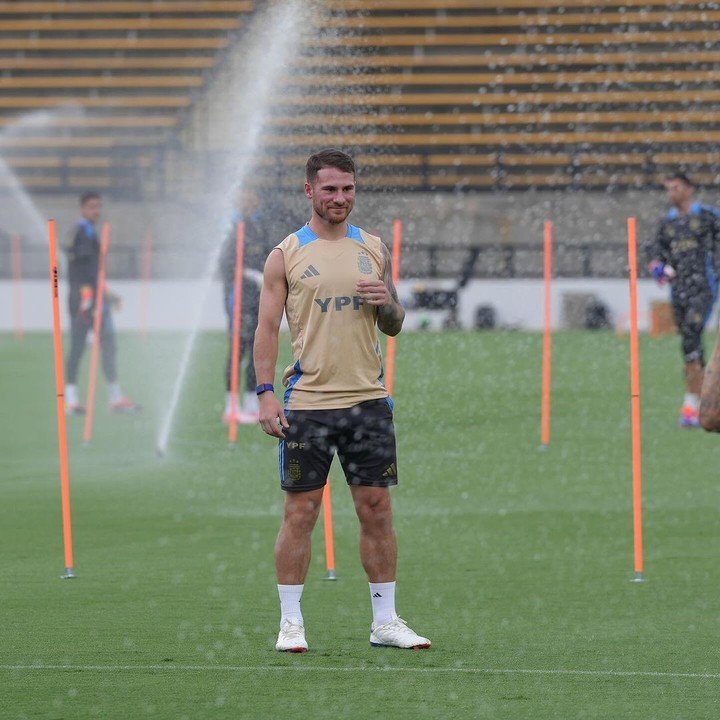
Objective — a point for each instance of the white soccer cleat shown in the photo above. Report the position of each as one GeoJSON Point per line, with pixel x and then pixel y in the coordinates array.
{"type": "Point", "coordinates": [291, 637]}
{"type": "Point", "coordinates": [396, 633]}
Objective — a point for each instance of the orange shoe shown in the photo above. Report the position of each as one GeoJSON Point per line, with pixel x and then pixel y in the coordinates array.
{"type": "Point", "coordinates": [125, 406]}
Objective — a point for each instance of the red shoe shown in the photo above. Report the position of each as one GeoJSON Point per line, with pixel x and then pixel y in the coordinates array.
{"type": "Point", "coordinates": [689, 417]}
{"type": "Point", "coordinates": [74, 409]}
{"type": "Point", "coordinates": [125, 406]}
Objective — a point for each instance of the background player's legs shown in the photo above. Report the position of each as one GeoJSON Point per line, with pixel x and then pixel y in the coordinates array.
{"type": "Point", "coordinates": [228, 361]}
{"type": "Point", "coordinates": [250, 401]}
{"type": "Point", "coordinates": [692, 331]}
{"type": "Point", "coordinates": [694, 372]}
{"type": "Point", "coordinates": [247, 399]}
{"type": "Point", "coordinates": [108, 348]}
{"type": "Point", "coordinates": [78, 333]}
{"type": "Point", "coordinates": [690, 319]}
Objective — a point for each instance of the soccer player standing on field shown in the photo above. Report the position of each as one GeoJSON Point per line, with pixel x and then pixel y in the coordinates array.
{"type": "Point", "coordinates": [83, 252]}
{"type": "Point", "coordinates": [334, 283]}
{"type": "Point", "coordinates": [686, 254]}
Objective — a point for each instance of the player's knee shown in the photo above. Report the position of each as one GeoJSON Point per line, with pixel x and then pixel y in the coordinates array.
{"type": "Point", "coordinates": [374, 508]}
{"type": "Point", "coordinates": [302, 510]}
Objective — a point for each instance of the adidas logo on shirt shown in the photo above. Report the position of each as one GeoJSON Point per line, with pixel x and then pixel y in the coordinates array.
{"type": "Point", "coordinates": [309, 272]}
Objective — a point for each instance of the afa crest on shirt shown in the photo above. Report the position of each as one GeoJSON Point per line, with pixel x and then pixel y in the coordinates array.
{"type": "Point", "coordinates": [364, 264]}
{"type": "Point", "coordinates": [694, 224]}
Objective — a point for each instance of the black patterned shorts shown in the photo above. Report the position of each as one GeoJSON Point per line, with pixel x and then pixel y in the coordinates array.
{"type": "Point", "coordinates": [363, 437]}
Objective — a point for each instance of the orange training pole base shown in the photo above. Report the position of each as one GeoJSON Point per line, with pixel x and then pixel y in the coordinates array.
{"type": "Point", "coordinates": [329, 540]}
{"type": "Point", "coordinates": [236, 329]}
{"type": "Point", "coordinates": [60, 405]}
{"type": "Point", "coordinates": [635, 405]}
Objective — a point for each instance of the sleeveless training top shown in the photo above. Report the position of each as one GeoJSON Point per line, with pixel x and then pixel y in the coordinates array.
{"type": "Point", "coordinates": [336, 354]}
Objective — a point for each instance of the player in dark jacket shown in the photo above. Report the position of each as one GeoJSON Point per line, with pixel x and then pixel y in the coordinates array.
{"type": "Point", "coordinates": [83, 253]}
{"type": "Point", "coordinates": [686, 255]}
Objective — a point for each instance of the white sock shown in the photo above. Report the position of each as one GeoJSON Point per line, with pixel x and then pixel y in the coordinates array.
{"type": "Point", "coordinates": [228, 402]}
{"type": "Point", "coordinates": [71, 397]}
{"type": "Point", "coordinates": [382, 597]}
{"type": "Point", "coordinates": [250, 403]}
{"type": "Point", "coordinates": [691, 400]}
{"type": "Point", "coordinates": [290, 602]}
{"type": "Point", "coordinates": [114, 392]}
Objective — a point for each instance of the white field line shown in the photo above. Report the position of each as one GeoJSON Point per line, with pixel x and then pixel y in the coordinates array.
{"type": "Point", "coordinates": [394, 669]}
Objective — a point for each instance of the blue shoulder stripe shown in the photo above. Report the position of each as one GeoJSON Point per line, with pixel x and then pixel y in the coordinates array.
{"type": "Point", "coordinates": [354, 233]}
{"type": "Point", "coordinates": [305, 235]}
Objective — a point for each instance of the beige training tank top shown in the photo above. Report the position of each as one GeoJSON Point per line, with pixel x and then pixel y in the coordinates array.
{"type": "Point", "coordinates": [336, 354]}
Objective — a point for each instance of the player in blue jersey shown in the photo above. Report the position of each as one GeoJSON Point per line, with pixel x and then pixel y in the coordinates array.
{"type": "Point", "coordinates": [685, 254]}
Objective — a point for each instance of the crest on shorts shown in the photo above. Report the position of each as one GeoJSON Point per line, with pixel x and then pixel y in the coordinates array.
{"type": "Point", "coordinates": [294, 471]}
{"type": "Point", "coordinates": [364, 264]}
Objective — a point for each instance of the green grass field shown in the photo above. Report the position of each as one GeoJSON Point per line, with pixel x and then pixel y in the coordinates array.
{"type": "Point", "coordinates": [516, 563]}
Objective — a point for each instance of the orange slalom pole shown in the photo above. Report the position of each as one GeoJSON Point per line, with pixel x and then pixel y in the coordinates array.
{"type": "Point", "coordinates": [635, 404]}
{"type": "Point", "coordinates": [97, 330]}
{"type": "Point", "coordinates": [236, 328]}
{"type": "Point", "coordinates": [390, 347]}
{"type": "Point", "coordinates": [145, 273]}
{"type": "Point", "coordinates": [547, 338]}
{"type": "Point", "coordinates": [60, 405]}
{"type": "Point", "coordinates": [16, 253]}
{"type": "Point", "coordinates": [329, 537]}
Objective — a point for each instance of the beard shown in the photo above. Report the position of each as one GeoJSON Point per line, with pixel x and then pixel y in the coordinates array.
{"type": "Point", "coordinates": [335, 218]}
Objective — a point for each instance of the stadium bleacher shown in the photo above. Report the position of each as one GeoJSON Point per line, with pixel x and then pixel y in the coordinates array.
{"type": "Point", "coordinates": [433, 94]}
{"type": "Point", "coordinates": [92, 91]}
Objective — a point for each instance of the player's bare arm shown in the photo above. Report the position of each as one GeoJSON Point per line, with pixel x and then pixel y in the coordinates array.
{"type": "Point", "coordinates": [383, 295]}
{"type": "Point", "coordinates": [272, 304]}
{"type": "Point", "coordinates": [710, 393]}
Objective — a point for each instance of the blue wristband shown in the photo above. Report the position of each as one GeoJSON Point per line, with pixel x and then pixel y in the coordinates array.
{"type": "Point", "coordinates": [265, 387]}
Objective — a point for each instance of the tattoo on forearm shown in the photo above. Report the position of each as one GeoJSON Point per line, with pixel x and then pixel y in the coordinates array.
{"type": "Point", "coordinates": [390, 316]}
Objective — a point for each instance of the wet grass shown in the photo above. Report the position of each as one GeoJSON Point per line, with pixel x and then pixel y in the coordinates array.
{"type": "Point", "coordinates": [516, 563]}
